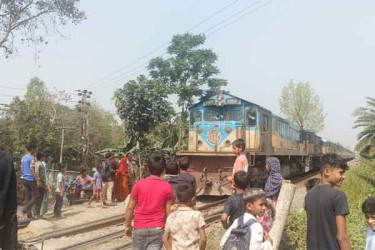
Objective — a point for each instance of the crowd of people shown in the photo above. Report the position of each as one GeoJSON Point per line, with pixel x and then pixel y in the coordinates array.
{"type": "Point", "coordinates": [109, 185]}
{"type": "Point", "coordinates": [161, 210]}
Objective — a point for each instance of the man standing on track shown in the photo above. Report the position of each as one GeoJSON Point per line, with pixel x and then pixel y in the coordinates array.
{"type": "Point", "coordinates": [30, 181]}
{"type": "Point", "coordinates": [108, 176]}
{"type": "Point", "coordinates": [150, 204]}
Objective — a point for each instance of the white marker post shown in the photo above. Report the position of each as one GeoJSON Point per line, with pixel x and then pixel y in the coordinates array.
{"type": "Point", "coordinates": [282, 211]}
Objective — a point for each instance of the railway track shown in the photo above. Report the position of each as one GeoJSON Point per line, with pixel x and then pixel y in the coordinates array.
{"type": "Point", "coordinates": [114, 225]}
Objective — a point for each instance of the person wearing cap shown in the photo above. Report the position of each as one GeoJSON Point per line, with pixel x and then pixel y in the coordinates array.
{"type": "Point", "coordinates": [255, 200]}
{"type": "Point", "coordinates": [97, 187]}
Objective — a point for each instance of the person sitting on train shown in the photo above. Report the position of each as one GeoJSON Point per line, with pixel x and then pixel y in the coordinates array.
{"type": "Point", "coordinates": [235, 205]}
{"type": "Point", "coordinates": [241, 162]}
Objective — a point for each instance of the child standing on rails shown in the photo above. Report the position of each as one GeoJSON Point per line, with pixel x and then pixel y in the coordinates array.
{"type": "Point", "coordinates": [183, 164]}
{"type": "Point", "coordinates": [171, 176]}
{"type": "Point", "coordinates": [246, 232]}
{"type": "Point", "coordinates": [185, 177]}
{"type": "Point", "coordinates": [327, 207]}
{"type": "Point", "coordinates": [185, 227]}
{"type": "Point", "coordinates": [59, 191]}
{"type": "Point", "coordinates": [235, 205]}
{"type": "Point", "coordinates": [97, 187]}
{"type": "Point", "coordinates": [241, 162]}
{"type": "Point", "coordinates": [368, 208]}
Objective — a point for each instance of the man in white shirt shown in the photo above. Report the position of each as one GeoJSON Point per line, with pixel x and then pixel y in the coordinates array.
{"type": "Point", "coordinates": [255, 200]}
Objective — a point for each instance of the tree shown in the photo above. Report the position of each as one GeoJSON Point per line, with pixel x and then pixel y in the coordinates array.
{"type": "Point", "coordinates": [32, 20]}
{"type": "Point", "coordinates": [142, 104]}
{"type": "Point", "coordinates": [300, 104]}
{"type": "Point", "coordinates": [365, 119]}
{"type": "Point", "coordinates": [188, 72]}
{"type": "Point", "coordinates": [39, 117]}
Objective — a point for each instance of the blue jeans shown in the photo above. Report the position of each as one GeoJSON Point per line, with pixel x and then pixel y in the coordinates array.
{"type": "Point", "coordinates": [148, 238]}
{"type": "Point", "coordinates": [58, 205]}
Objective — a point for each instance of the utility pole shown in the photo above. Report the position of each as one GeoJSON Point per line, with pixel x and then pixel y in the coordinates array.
{"type": "Point", "coordinates": [62, 142]}
{"type": "Point", "coordinates": [84, 104]}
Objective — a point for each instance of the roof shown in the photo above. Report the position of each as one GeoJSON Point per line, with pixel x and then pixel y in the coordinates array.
{"type": "Point", "coordinates": [226, 95]}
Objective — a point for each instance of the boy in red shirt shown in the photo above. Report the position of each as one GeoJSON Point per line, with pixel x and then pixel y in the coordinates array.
{"type": "Point", "coordinates": [241, 162]}
{"type": "Point", "coordinates": [150, 203]}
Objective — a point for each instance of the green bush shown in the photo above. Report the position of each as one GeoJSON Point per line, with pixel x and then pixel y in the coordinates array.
{"type": "Point", "coordinates": [358, 186]}
{"type": "Point", "coordinates": [296, 230]}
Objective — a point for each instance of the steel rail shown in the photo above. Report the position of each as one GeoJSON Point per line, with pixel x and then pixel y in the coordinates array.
{"type": "Point", "coordinates": [94, 241]}
{"type": "Point", "coordinates": [77, 229]}
{"type": "Point", "coordinates": [120, 233]}
{"type": "Point", "coordinates": [210, 219]}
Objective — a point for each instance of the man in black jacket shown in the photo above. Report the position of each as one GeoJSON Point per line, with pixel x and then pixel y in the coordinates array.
{"type": "Point", "coordinates": [109, 167]}
{"type": "Point", "coordinates": [8, 203]}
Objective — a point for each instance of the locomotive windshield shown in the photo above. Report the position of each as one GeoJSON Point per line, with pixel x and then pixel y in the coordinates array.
{"type": "Point", "coordinates": [223, 114]}
{"type": "Point", "coordinates": [195, 116]}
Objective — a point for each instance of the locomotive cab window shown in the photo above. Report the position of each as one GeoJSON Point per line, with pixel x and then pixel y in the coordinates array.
{"type": "Point", "coordinates": [251, 117]}
{"type": "Point", "coordinates": [195, 116]}
{"type": "Point", "coordinates": [265, 123]}
{"type": "Point", "coordinates": [233, 114]}
{"type": "Point", "coordinates": [212, 115]}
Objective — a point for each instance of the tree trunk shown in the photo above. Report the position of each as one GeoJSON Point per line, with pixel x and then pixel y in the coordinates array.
{"type": "Point", "coordinates": [282, 211]}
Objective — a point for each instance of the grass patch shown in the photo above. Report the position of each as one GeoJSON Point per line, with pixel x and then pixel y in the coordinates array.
{"type": "Point", "coordinates": [358, 186]}
{"type": "Point", "coordinates": [214, 234]}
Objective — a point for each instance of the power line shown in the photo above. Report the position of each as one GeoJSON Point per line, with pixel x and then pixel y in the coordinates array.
{"type": "Point", "coordinates": [239, 18]}
{"type": "Point", "coordinates": [214, 14]}
{"type": "Point", "coordinates": [227, 22]}
{"type": "Point", "coordinates": [7, 87]}
{"type": "Point", "coordinates": [214, 26]}
{"type": "Point", "coordinates": [164, 44]}
{"type": "Point", "coordinates": [232, 16]}
{"type": "Point", "coordinates": [8, 95]}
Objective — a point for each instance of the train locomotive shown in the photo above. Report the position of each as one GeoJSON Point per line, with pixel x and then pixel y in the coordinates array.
{"type": "Point", "coordinates": [216, 122]}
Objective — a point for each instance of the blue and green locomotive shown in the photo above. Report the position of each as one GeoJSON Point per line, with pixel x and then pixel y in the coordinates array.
{"type": "Point", "coordinates": [219, 120]}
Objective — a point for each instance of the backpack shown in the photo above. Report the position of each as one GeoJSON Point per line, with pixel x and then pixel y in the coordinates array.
{"type": "Point", "coordinates": [239, 238]}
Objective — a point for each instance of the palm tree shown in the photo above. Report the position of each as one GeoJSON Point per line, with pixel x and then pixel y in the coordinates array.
{"type": "Point", "coordinates": [365, 119]}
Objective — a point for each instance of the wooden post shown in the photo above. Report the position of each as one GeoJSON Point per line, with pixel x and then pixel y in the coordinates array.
{"type": "Point", "coordinates": [282, 211]}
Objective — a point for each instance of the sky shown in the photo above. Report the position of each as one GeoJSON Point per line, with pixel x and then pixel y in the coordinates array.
{"type": "Point", "coordinates": [261, 45]}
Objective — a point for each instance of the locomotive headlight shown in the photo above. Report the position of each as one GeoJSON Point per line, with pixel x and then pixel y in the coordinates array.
{"type": "Point", "coordinates": [227, 143]}
{"type": "Point", "coordinates": [228, 130]}
{"type": "Point", "coordinates": [200, 143]}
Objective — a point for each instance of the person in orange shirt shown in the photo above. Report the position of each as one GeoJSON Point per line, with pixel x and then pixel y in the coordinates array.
{"type": "Point", "coordinates": [241, 162]}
